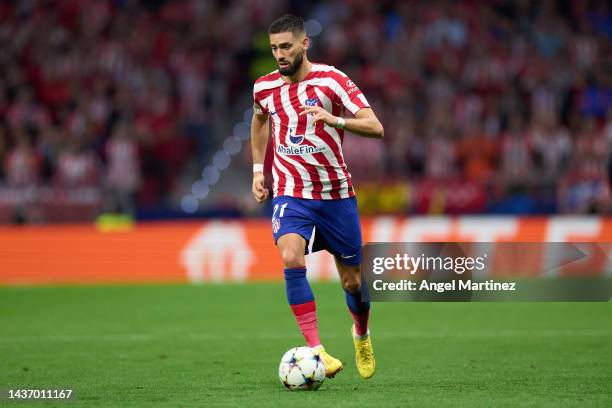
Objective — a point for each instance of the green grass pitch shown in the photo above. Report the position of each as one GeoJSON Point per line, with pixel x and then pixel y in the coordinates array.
{"type": "Point", "coordinates": [219, 345]}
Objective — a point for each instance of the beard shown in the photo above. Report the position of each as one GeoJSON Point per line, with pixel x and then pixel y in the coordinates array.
{"type": "Point", "coordinates": [292, 68]}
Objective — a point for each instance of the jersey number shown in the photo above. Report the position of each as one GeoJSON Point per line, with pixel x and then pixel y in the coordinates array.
{"type": "Point", "coordinates": [282, 210]}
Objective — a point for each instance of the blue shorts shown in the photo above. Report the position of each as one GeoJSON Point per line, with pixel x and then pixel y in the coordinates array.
{"type": "Point", "coordinates": [334, 223]}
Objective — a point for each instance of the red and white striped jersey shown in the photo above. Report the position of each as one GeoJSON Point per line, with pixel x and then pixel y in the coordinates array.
{"type": "Point", "coordinates": [308, 161]}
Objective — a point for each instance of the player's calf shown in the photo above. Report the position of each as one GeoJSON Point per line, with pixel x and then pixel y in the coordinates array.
{"type": "Point", "coordinates": [350, 277]}
{"type": "Point", "coordinates": [301, 300]}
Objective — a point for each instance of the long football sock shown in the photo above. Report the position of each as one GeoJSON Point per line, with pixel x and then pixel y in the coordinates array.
{"type": "Point", "coordinates": [360, 311]}
{"type": "Point", "coordinates": [302, 304]}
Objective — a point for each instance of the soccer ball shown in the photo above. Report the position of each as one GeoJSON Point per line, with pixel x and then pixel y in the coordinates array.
{"type": "Point", "coordinates": [301, 369]}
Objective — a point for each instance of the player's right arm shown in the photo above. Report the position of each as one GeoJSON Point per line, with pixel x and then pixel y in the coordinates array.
{"type": "Point", "coordinates": [259, 142]}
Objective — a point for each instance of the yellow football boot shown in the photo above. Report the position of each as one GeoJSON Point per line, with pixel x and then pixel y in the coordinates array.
{"type": "Point", "coordinates": [364, 355]}
{"type": "Point", "coordinates": [332, 365]}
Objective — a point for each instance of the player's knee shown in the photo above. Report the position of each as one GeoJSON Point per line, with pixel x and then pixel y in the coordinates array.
{"type": "Point", "coordinates": [292, 258]}
{"type": "Point", "coordinates": [351, 283]}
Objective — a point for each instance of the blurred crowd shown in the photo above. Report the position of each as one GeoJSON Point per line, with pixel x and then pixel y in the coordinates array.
{"type": "Point", "coordinates": [513, 97]}
{"type": "Point", "coordinates": [134, 97]}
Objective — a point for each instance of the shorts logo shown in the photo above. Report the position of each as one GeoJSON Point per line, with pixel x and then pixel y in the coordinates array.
{"type": "Point", "coordinates": [275, 225]}
{"type": "Point", "coordinates": [312, 102]}
{"type": "Point", "coordinates": [295, 140]}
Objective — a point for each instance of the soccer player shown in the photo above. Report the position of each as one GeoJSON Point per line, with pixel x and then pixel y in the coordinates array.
{"type": "Point", "coordinates": [314, 202]}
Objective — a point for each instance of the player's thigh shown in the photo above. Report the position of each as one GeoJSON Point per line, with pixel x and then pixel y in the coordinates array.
{"type": "Point", "coordinates": [338, 230]}
{"type": "Point", "coordinates": [292, 228]}
{"type": "Point", "coordinates": [292, 247]}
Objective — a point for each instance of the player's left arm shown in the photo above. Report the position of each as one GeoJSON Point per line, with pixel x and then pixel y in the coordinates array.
{"type": "Point", "coordinates": [365, 123]}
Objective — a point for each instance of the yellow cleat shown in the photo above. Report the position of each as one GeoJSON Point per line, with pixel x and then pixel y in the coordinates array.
{"type": "Point", "coordinates": [364, 355]}
{"type": "Point", "coordinates": [332, 365]}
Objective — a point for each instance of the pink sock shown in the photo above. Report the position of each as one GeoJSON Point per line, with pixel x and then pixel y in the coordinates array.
{"type": "Point", "coordinates": [306, 317]}
{"type": "Point", "coordinates": [361, 322]}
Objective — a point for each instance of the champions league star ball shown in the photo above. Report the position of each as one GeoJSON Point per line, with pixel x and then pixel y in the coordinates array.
{"type": "Point", "coordinates": [301, 369]}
